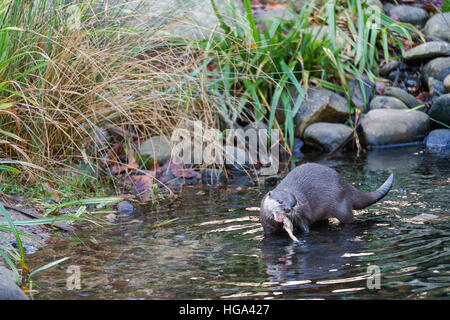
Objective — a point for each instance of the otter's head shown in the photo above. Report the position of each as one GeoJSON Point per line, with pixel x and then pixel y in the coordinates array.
{"type": "Point", "coordinates": [279, 204]}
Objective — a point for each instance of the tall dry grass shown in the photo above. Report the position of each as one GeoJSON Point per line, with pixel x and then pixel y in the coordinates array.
{"type": "Point", "coordinates": [83, 67]}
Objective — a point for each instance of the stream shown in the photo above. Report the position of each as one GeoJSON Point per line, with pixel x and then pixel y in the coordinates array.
{"type": "Point", "coordinates": [211, 246]}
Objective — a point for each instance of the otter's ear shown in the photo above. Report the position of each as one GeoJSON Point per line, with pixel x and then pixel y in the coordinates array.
{"type": "Point", "coordinates": [269, 194]}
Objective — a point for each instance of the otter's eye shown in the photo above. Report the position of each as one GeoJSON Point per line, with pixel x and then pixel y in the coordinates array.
{"type": "Point", "coordinates": [281, 201]}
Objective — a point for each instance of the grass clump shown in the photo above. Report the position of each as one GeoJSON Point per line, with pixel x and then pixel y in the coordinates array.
{"type": "Point", "coordinates": [254, 71]}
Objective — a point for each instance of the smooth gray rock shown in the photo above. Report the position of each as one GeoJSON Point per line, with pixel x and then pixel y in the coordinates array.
{"type": "Point", "coordinates": [376, 4]}
{"type": "Point", "coordinates": [9, 290]}
{"type": "Point", "coordinates": [390, 66]}
{"type": "Point", "coordinates": [402, 95]}
{"type": "Point", "coordinates": [326, 136]}
{"type": "Point", "coordinates": [297, 5]}
{"type": "Point", "coordinates": [193, 19]}
{"type": "Point", "coordinates": [383, 102]}
{"type": "Point", "coordinates": [267, 16]}
{"type": "Point", "coordinates": [322, 105]}
{"type": "Point", "coordinates": [439, 138]}
{"type": "Point", "coordinates": [428, 50]}
{"type": "Point", "coordinates": [391, 126]}
{"type": "Point", "coordinates": [387, 7]}
{"type": "Point", "coordinates": [437, 68]}
{"type": "Point", "coordinates": [435, 87]}
{"type": "Point", "coordinates": [357, 96]}
{"type": "Point", "coordinates": [440, 110]}
{"type": "Point", "coordinates": [157, 148]}
{"type": "Point", "coordinates": [409, 14]}
{"type": "Point", "coordinates": [439, 26]}
{"type": "Point", "coordinates": [446, 84]}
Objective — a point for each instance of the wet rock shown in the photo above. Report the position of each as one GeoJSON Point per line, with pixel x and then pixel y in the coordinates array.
{"type": "Point", "coordinates": [446, 84]}
{"type": "Point", "coordinates": [439, 138]}
{"type": "Point", "coordinates": [322, 106]}
{"type": "Point", "coordinates": [9, 290]}
{"type": "Point", "coordinates": [391, 126]}
{"type": "Point", "coordinates": [439, 26]}
{"type": "Point", "coordinates": [409, 14]}
{"type": "Point", "coordinates": [157, 148]}
{"type": "Point", "coordinates": [435, 87]}
{"type": "Point", "coordinates": [428, 50]}
{"type": "Point", "coordinates": [125, 207]}
{"type": "Point", "coordinates": [440, 110]}
{"type": "Point", "coordinates": [326, 136]}
{"type": "Point", "coordinates": [213, 177]}
{"type": "Point", "coordinates": [438, 68]}
{"type": "Point", "coordinates": [383, 102]}
{"type": "Point", "coordinates": [402, 95]}
{"type": "Point", "coordinates": [357, 95]}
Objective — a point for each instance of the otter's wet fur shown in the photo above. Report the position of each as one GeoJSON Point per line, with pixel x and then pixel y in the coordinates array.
{"type": "Point", "coordinates": [311, 193]}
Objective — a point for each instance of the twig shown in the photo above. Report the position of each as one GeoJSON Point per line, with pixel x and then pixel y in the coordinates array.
{"type": "Point", "coordinates": [33, 214]}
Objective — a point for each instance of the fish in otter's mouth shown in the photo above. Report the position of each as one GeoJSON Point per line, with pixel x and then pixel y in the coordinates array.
{"type": "Point", "coordinates": [288, 226]}
{"type": "Point", "coordinates": [280, 211]}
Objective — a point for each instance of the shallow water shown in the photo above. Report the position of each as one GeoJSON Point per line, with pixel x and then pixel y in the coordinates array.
{"type": "Point", "coordinates": [216, 249]}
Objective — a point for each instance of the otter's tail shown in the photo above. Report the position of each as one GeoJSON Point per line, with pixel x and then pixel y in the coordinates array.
{"type": "Point", "coordinates": [362, 199]}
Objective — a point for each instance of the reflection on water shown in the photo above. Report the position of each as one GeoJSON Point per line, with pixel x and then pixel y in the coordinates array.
{"type": "Point", "coordinates": [216, 249]}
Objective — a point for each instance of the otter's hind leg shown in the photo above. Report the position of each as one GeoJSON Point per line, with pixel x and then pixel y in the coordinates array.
{"type": "Point", "coordinates": [344, 213]}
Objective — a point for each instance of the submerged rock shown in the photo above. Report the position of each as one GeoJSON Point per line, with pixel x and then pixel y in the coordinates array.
{"type": "Point", "coordinates": [402, 95]}
{"type": "Point", "coordinates": [326, 136]}
{"type": "Point", "coordinates": [390, 126]}
{"type": "Point", "coordinates": [383, 102]}
{"type": "Point", "coordinates": [9, 290]}
{"type": "Point", "coordinates": [440, 110]}
{"type": "Point", "coordinates": [409, 14]}
{"type": "Point", "coordinates": [322, 106]}
{"type": "Point", "coordinates": [439, 138]}
{"type": "Point", "coordinates": [125, 207]}
{"type": "Point", "coordinates": [439, 26]}
{"type": "Point", "coordinates": [428, 50]}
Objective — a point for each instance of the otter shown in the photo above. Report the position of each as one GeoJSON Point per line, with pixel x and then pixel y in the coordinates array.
{"type": "Point", "coordinates": [311, 193]}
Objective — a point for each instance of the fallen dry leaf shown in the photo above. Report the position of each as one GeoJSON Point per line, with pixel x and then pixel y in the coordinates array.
{"type": "Point", "coordinates": [141, 185]}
